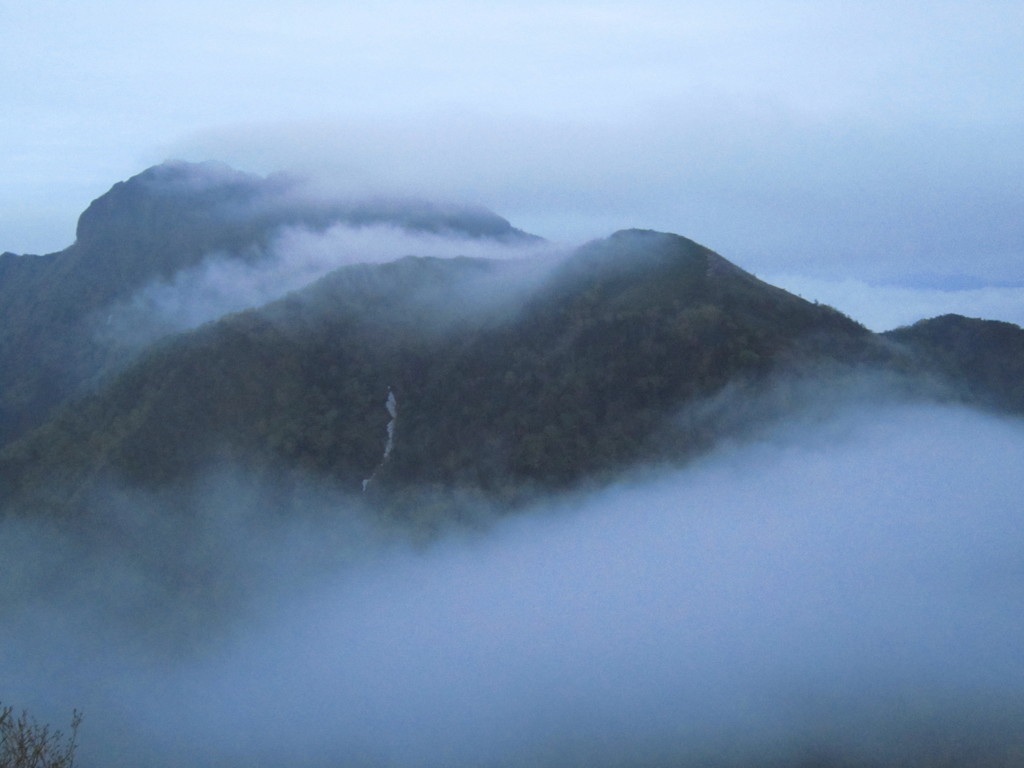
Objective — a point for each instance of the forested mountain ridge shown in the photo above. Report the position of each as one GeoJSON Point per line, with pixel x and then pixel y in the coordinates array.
{"type": "Point", "coordinates": [496, 377]}
{"type": "Point", "coordinates": [507, 375]}
{"type": "Point", "coordinates": [149, 228]}
{"type": "Point", "coordinates": [983, 360]}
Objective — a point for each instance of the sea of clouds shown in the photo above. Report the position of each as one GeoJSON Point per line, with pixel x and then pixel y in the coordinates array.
{"type": "Point", "coordinates": [844, 586]}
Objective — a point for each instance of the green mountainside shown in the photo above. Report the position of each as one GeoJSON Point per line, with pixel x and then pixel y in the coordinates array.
{"type": "Point", "coordinates": [424, 375]}
{"type": "Point", "coordinates": [982, 359]}
{"type": "Point", "coordinates": [149, 228]}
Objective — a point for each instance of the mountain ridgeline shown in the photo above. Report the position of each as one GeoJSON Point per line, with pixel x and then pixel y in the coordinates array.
{"type": "Point", "coordinates": [148, 229]}
{"type": "Point", "coordinates": [420, 375]}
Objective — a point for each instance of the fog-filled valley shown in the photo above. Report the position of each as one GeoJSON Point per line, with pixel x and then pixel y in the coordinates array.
{"type": "Point", "coordinates": [842, 588]}
{"type": "Point", "coordinates": [289, 480]}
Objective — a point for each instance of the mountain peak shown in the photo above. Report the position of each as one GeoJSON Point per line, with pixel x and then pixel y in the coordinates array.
{"type": "Point", "coordinates": [639, 234]}
{"type": "Point", "coordinates": [179, 196]}
{"type": "Point", "coordinates": [169, 195]}
{"type": "Point", "coordinates": [201, 174]}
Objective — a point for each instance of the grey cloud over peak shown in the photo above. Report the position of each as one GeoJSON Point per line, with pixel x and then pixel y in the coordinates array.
{"type": "Point", "coordinates": [774, 189]}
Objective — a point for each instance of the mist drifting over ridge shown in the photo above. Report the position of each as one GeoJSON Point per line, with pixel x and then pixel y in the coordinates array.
{"type": "Point", "coordinates": [297, 256]}
{"type": "Point", "coordinates": [292, 233]}
{"type": "Point", "coordinates": [843, 588]}
{"type": "Point", "coordinates": [180, 244]}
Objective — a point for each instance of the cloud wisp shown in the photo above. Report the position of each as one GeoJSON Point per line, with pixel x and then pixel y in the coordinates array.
{"type": "Point", "coordinates": [298, 256]}
{"type": "Point", "coordinates": [842, 588]}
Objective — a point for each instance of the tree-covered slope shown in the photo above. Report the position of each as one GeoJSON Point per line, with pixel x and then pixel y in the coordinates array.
{"type": "Point", "coordinates": [982, 360]}
{"type": "Point", "coordinates": [506, 375]}
{"type": "Point", "coordinates": [148, 228]}
{"type": "Point", "coordinates": [495, 376]}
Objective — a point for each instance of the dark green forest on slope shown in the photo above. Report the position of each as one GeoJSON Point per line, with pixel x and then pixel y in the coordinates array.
{"type": "Point", "coordinates": [982, 359]}
{"type": "Point", "coordinates": [149, 228]}
{"type": "Point", "coordinates": [509, 377]}
{"type": "Point", "coordinates": [580, 378]}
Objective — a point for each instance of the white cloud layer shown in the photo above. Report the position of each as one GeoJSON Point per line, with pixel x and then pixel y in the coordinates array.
{"type": "Point", "coordinates": [847, 587]}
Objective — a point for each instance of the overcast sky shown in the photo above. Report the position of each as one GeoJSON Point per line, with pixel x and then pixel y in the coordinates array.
{"type": "Point", "coordinates": [844, 145]}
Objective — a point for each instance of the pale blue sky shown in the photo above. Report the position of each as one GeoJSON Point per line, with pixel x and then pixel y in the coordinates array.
{"type": "Point", "coordinates": [869, 141]}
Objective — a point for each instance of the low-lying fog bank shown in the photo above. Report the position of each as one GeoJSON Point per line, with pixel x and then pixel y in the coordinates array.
{"type": "Point", "coordinates": [847, 588]}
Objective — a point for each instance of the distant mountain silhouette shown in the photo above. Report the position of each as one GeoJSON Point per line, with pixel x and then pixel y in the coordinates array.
{"type": "Point", "coordinates": [981, 360]}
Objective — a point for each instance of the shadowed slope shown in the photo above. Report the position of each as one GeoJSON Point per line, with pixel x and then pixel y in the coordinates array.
{"type": "Point", "coordinates": [507, 375]}
{"type": "Point", "coordinates": [166, 219]}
